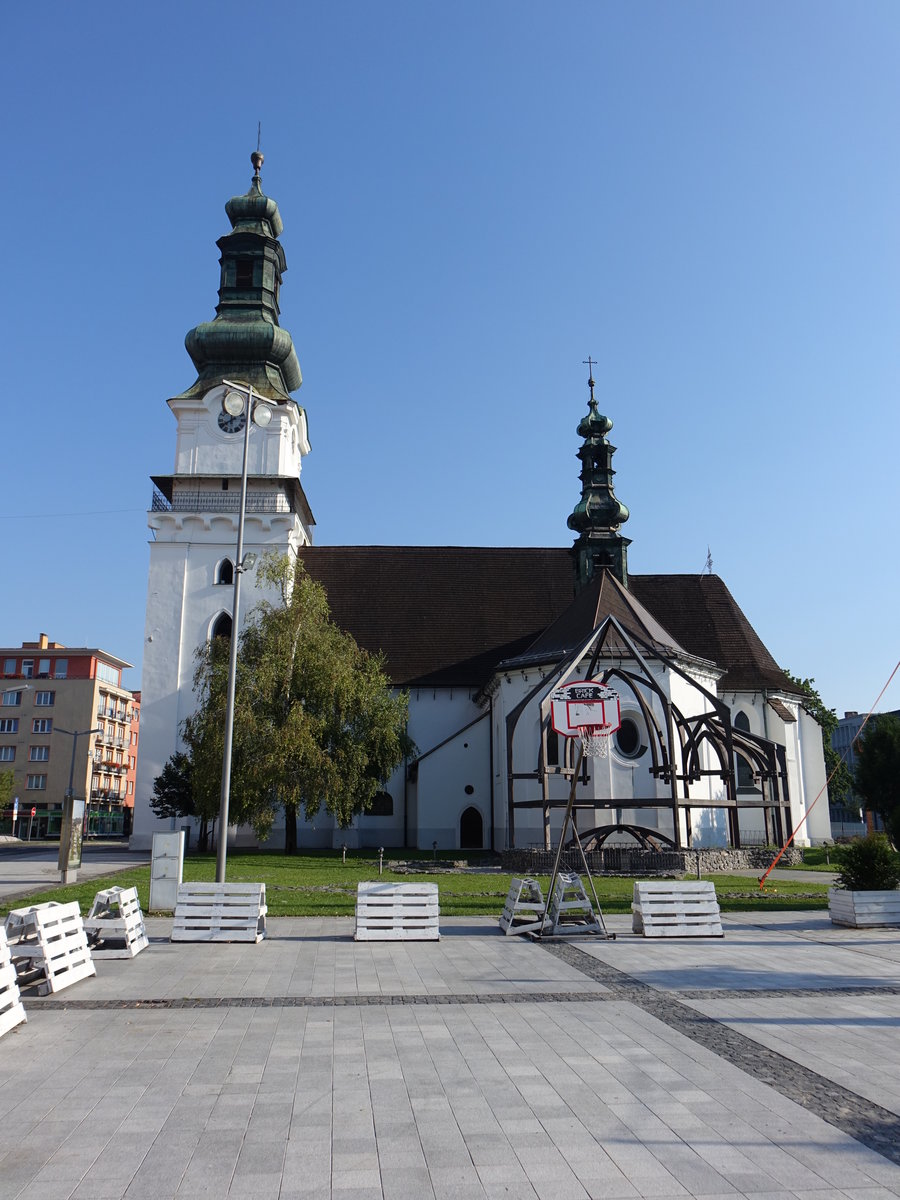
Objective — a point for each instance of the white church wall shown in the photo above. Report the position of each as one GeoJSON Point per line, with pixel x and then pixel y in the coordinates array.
{"type": "Point", "coordinates": [452, 776]}
{"type": "Point", "coordinates": [813, 774]}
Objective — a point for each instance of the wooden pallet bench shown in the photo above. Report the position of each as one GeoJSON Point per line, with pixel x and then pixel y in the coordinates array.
{"type": "Point", "coordinates": [11, 1011]}
{"type": "Point", "coordinates": [396, 912]}
{"type": "Point", "coordinates": [523, 911]}
{"type": "Point", "coordinates": [674, 908]}
{"type": "Point", "coordinates": [51, 944]}
{"type": "Point", "coordinates": [115, 924]}
{"type": "Point", "coordinates": [220, 912]}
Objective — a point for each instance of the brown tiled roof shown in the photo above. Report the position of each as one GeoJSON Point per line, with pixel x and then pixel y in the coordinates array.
{"type": "Point", "coordinates": [603, 597]}
{"type": "Point", "coordinates": [705, 618]}
{"type": "Point", "coordinates": [446, 615]}
{"type": "Point", "coordinates": [443, 614]}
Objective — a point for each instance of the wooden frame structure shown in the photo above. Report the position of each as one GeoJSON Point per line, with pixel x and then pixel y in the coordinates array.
{"type": "Point", "coordinates": [676, 742]}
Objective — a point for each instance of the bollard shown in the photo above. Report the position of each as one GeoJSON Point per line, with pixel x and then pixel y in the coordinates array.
{"type": "Point", "coordinates": [344, 854]}
{"type": "Point", "coordinates": [380, 859]}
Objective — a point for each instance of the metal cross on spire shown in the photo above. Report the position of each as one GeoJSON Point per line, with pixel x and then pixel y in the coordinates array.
{"type": "Point", "coordinates": [589, 363]}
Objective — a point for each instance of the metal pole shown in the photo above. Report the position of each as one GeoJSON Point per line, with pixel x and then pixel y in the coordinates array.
{"type": "Point", "coordinates": [222, 849]}
{"type": "Point", "coordinates": [66, 832]}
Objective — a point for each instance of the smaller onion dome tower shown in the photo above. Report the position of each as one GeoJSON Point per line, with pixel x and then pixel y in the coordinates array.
{"type": "Point", "coordinates": [598, 514]}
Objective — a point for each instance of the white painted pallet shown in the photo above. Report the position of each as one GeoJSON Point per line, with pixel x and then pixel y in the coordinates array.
{"type": "Point", "coordinates": [11, 1011]}
{"type": "Point", "coordinates": [219, 912]}
{"type": "Point", "coordinates": [570, 910]}
{"type": "Point", "coordinates": [115, 924]}
{"type": "Point", "coordinates": [675, 908]}
{"type": "Point", "coordinates": [523, 911]}
{"type": "Point", "coordinates": [396, 912]}
{"type": "Point", "coordinates": [860, 910]}
{"type": "Point", "coordinates": [53, 944]}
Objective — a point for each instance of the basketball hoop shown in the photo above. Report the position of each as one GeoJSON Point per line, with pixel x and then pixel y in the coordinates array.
{"type": "Point", "coordinates": [595, 740]}
{"type": "Point", "coordinates": [588, 710]}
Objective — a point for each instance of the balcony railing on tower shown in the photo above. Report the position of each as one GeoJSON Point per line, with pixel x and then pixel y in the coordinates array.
{"type": "Point", "coordinates": [218, 502]}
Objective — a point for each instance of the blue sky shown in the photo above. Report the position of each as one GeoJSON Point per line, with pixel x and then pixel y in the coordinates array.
{"type": "Point", "coordinates": [703, 197]}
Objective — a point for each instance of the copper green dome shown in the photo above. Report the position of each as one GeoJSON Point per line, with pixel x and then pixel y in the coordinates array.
{"type": "Point", "coordinates": [244, 341]}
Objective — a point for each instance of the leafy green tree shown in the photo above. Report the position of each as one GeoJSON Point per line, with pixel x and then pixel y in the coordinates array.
{"type": "Point", "coordinates": [173, 795]}
{"type": "Point", "coordinates": [840, 786]}
{"type": "Point", "coordinates": [316, 722]}
{"type": "Point", "coordinates": [7, 783]}
{"type": "Point", "coordinates": [878, 770]}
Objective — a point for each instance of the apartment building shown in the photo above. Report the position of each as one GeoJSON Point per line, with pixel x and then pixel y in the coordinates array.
{"type": "Point", "coordinates": [64, 714]}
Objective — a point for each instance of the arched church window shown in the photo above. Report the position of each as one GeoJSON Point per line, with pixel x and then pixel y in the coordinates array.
{"type": "Point", "coordinates": [471, 830]}
{"type": "Point", "coordinates": [743, 769]}
{"type": "Point", "coordinates": [222, 626]}
{"type": "Point", "coordinates": [225, 571]}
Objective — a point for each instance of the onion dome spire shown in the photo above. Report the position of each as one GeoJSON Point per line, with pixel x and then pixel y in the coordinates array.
{"type": "Point", "coordinates": [598, 514]}
{"type": "Point", "coordinates": [245, 341]}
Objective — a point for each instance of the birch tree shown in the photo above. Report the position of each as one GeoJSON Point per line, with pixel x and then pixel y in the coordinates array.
{"type": "Point", "coordinates": [317, 725]}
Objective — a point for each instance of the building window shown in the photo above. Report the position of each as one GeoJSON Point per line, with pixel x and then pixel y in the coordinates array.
{"type": "Point", "coordinates": [9, 724]}
{"type": "Point", "coordinates": [382, 805]}
{"type": "Point", "coordinates": [38, 753]}
{"type": "Point", "coordinates": [744, 771]}
{"type": "Point", "coordinates": [130, 787]}
{"type": "Point", "coordinates": [222, 626]}
{"type": "Point", "coordinates": [225, 572]}
{"type": "Point", "coordinates": [628, 738]}
{"type": "Point", "coordinates": [9, 666]}
{"type": "Point", "coordinates": [11, 699]}
{"type": "Point", "coordinates": [28, 667]}
{"type": "Point", "coordinates": [552, 748]}
{"type": "Point", "coordinates": [244, 277]}
{"type": "Point", "coordinates": [43, 668]}
{"type": "Point", "coordinates": [36, 783]}
{"type": "Point", "coordinates": [42, 725]}
{"type": "Point", "coordinates": [107, 673]}
{"type": "Point", "coordinates": [7, 754]}
{"type": "Point", "coordinates": [61, 669]}
{"type": "Point", "coordinates": [44, 699]}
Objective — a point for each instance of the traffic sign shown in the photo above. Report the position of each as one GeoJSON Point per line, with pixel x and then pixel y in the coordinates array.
{"type": "Point", "coordinates": [33, 811]}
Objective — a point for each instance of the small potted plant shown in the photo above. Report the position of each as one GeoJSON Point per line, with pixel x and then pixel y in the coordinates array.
{"type": "Point", "coordinates": [867, 891]}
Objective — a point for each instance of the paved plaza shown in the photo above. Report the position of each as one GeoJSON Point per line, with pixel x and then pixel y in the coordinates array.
{"type": "Point", "coordinates": [765, 1064]}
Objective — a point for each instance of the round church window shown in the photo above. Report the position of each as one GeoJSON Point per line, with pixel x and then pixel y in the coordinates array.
{"type": "Point", "coordinates": [628, 739]}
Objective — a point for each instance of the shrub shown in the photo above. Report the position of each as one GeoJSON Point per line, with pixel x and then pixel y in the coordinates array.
{"type": "Point", "coordinates": [869, 865]}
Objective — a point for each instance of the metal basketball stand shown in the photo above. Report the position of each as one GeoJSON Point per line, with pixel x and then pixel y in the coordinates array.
{"type": "Point", "coordinates": [581, 720]}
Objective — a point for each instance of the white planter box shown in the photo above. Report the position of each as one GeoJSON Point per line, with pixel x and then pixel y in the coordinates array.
{"type": "Point", "coordinates": [859, 909]}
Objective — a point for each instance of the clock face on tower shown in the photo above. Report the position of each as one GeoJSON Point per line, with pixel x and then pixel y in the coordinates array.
{"type": "Point", "coordinates": [230, 424]}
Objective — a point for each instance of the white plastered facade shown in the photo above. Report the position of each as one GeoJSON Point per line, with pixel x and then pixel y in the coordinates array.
{"type": "Point", "coordinates": [191, 536]}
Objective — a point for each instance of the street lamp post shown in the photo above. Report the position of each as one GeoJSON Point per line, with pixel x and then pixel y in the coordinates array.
{"type": "Point", "coordinates": [240, 398]}
{"type": "Point", "coordinates": [70, 833]}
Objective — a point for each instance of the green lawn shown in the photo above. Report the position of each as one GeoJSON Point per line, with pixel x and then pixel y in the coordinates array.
{"type": "Point", "coordinates": [319, 884]}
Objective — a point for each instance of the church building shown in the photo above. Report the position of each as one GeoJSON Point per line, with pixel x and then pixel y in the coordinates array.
{"type": "Point", "coordinates": [714, 746]}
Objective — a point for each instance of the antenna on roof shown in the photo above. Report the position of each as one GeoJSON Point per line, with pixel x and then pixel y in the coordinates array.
{"type": "Point", "coordinates": [707, 566]}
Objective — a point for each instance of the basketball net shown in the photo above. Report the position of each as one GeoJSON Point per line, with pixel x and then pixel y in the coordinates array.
{"type": "Point", "coordinates": [595, 740]}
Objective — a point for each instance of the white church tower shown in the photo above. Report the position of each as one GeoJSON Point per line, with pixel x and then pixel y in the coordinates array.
{"type": "Point", "coordinates": [194, 516]}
